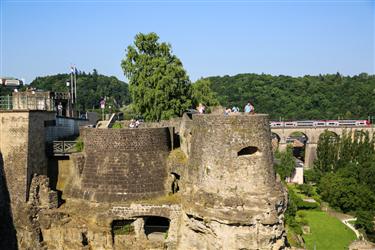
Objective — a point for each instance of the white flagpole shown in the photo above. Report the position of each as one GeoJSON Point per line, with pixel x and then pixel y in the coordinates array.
{"type": "Point", "coordinates": [71, 87]}
{"type": "Point", "coordinates": [75, 84]}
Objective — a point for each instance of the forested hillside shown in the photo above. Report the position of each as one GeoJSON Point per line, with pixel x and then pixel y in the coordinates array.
{"type": "Point", "coordinates": [90, 88]}
{"type": "Point", "coordinates": [308, 97]}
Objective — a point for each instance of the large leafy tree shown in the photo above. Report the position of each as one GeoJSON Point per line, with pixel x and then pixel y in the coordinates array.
{"type": "Point", "coordinates": [202, 93]}
{"type": "Point", "coordinates": [158, 83]}
{"type": "Point", "coordinates": [327, 152]}
{"type": "Point", "coordinates": [286, 164]}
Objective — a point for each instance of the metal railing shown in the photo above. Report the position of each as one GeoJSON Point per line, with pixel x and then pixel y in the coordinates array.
{"type": "Point", "coordinates": [61, 148]}
{"type": "Point", "coordinates": [6, 102]}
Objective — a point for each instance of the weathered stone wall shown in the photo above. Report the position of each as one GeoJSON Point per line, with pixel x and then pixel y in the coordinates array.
{"type": "Point", "coordinates": [22, 148]}
{"type": "Point", "coordinates": [37, 159]}
{"type": "Point", "coordinates": [124, 164]}
{"type": "Point", "coordinates": [231, 198]}
{"type": "Point", "coordinates": [14, 139]}
{"type": "Point", "coordinates": [22, 144]}
{"type": "Point", "coordinates": [228, 195]}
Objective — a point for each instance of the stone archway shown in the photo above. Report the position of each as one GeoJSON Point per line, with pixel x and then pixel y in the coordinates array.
{"type": "Point", "coordinates": [298, 140]}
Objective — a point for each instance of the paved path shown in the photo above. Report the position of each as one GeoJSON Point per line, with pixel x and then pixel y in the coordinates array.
{"type": "Point", "coordinates": [346, 222]}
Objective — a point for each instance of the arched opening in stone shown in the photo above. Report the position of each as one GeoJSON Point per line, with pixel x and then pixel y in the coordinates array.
{"type": "Point", "coordinates": [247, 151]}
{"type": "Point", "coordinates": [174, 186]}
{"type": "Point", "coordinates": [332, 135]}
{"type": "Point", "coordinates": [156, 227]}
{"type": "Point", "coordinates": [298, 140]}
{"type": "Point", "coordinates": [121, 228]}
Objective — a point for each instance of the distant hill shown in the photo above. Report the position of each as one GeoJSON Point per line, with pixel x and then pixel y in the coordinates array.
{"type": "Point", "coordinates": [309, 97]}
{"type": "Point", "coordinates": [90, 88]}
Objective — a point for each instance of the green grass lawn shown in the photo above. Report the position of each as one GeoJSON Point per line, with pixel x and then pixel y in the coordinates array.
{"type": "Point", "coordinates": [327, 232]}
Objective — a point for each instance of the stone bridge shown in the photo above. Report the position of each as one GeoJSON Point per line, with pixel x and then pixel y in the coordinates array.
{"type": "Point", "coordinates": [312, 134]}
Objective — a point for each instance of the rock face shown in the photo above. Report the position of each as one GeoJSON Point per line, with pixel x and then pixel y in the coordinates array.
{"type": "Point", "coordinates": [231, 199]}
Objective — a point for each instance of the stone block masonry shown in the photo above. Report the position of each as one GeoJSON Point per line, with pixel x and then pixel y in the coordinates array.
{"type": "Point", "coordinates": [231, 199]}
{"type": "Point", "coordinates": [22, 145]}
{"type": "Point", "coordinates": [124, 164]}
{"type": "Point", "coordinates": [22, 154]}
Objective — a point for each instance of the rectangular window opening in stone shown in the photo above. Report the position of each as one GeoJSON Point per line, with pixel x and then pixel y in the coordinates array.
{"type": "Point", "coordinates": [156, 228]}
{"type": "Point", "coordinates": [122, 227]}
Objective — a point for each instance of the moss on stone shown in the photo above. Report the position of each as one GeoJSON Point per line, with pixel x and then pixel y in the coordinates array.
{"type": "Point", "coordinates": [161, 200]}
{"type": "Point", "coordinates": [178, 156]}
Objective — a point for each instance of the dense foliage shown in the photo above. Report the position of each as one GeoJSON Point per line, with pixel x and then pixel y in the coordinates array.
{"type": "Point", "coordinates": [308, 97]}
{"type": "Point", "coordinates": [90, 89]}
{"type": "Point", "coordinates": [346, 170]}
{"type": "Point", "coordinates": [5, 91]}
{"type": "Point", "coordinates": [202, 93]}
{"type": "Point", "coordinates": [159, 85]}
{"type": "Point", "coordinates": [285, 162]}
{"type": "Point", "coordinates": [365, 221]}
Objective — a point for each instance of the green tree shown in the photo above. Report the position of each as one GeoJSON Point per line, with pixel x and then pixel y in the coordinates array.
{"type": "Point", "coordinates": [327, 152]}
{"type": "Point", "coordinates": [365, 221]}
{"type": "Point", "coordinates": [286, 163]}
{"type": "Point", "coordinates": [159, 85]}
{"type": "Point", "coordinates": [202, 93]}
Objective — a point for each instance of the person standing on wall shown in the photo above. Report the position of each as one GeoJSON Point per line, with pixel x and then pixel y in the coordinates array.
{"type": "Point", "coordinates": [201, 108]}
{"type": "Point", "coordinates": [249, 108]}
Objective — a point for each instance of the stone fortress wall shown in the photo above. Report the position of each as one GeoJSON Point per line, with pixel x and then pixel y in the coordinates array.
{"type": "Point", "coordinates": [22, 155]}
{"type": "Point", "coordinates": [227, 196]}
{"type": "Point", "coordinates": [22, 146]}
{"type": "Point", "coordinates": [230, 191]}
{"type": "Point", "coordinates": [123, 164]}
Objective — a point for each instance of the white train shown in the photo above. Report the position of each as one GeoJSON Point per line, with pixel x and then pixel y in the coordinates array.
{"type": "Point", "coordinates": [321, 123]}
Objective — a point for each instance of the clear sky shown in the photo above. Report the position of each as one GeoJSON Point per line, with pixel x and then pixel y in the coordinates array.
{"type": "Point", "coordinates": [210, 37]}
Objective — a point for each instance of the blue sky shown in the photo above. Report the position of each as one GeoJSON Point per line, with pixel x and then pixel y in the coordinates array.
{"type": "Point", "coordinates": [210, 37]}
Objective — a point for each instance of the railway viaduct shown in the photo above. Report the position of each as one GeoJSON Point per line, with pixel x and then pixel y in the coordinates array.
{"type": "Point", "coordinates": [312, 134]}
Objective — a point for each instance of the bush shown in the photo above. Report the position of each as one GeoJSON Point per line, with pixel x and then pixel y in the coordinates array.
{"type": "Point", "coordinates": [117, 125]}
{"type": "Point", "coordinates": [312, 175]}
{"type": "Point", "coordinates": [79, 145]}
{"type": "Point", "coordinates": [365, 221]}
{"type": "Point", "coordinates": [307, 205]}
{"type": "Point", "coordinates": [306, 189]}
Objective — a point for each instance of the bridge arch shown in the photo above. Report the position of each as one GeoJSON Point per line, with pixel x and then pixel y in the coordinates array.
{"type": "Point", "coordinates": [313, 134]}
{"type": "Point", "coordinates": [330, 133]}
{"type": "Point", "coordinates": [298, 140]}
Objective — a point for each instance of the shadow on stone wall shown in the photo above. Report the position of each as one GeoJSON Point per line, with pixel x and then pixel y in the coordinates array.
{"type": "Point", "coordinates": [53, 175]}
{"type": "Point", "coordinates": [8, 236]}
